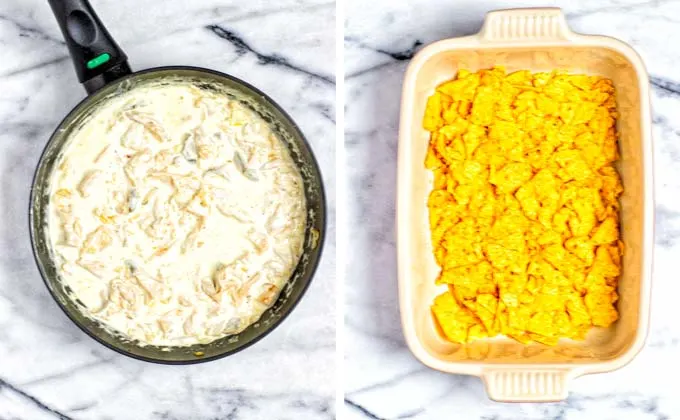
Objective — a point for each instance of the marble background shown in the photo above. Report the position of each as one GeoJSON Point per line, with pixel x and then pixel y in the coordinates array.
{"type": "Point", "coordinates": [49, 369]}
{"type": "Point", "coordinates": [383, 380]}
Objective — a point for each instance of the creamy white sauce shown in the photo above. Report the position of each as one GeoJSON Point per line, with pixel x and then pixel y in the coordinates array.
{"type": "Point", "coordinates": [176, 215]}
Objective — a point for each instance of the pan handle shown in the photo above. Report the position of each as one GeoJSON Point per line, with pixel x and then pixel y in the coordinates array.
{"type": "Point", "coordinates": [96, 57]}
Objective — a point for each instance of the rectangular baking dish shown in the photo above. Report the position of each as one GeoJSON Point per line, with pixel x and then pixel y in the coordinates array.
{"type": "Point", "coordinates": [536, 40]}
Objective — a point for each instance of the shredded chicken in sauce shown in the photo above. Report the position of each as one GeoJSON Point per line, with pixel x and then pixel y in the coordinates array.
{"type": "Point", "coordinates": [176, 215]}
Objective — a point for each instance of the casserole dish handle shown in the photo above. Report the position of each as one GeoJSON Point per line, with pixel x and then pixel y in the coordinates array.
{"type": "Point", "coordinates": [546, 24]}
{"type": "Point", "coordinates": [527, 384]}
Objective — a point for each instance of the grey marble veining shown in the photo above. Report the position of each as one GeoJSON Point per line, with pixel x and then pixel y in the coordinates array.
{"type": "Point", "coordinates": [49, 369]}
{"type": "Point", "coordinates": [383, 380]}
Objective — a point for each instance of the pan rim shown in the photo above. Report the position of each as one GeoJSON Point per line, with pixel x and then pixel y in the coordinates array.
{"type": "Point", "coordinates": [313, 267]}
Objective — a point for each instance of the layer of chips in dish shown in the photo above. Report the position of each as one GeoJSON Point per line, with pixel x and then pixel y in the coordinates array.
{"type": "Point", "coordinates": [524, 214]}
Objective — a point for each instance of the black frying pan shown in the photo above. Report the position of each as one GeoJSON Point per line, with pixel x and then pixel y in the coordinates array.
{"type": "Point", "coordinates": [103, 70]}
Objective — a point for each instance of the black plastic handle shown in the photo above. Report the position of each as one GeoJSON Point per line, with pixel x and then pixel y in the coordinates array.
{"type": "Point", "coordinates": [96, 56]}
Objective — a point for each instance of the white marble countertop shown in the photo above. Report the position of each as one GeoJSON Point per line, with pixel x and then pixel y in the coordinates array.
{"type": "Point", "coordinates": [49, 369]}
{"type": "Point", "coordinates": [383, 380]}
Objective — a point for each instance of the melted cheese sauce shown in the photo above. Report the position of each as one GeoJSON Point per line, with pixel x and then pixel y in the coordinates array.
{"type": "Point", "coordinates": [176, 215]}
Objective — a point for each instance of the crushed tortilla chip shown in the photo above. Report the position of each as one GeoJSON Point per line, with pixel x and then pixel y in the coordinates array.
{"type": "Point", "coordinates": [524, 213]}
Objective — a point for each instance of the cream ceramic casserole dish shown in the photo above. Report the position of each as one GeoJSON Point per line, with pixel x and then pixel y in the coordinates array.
{"type": "Point", "coordinates": [536, 40]}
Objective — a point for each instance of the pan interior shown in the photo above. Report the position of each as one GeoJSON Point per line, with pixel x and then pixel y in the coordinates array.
{"type": "Point", "coordinates": [280, 124]}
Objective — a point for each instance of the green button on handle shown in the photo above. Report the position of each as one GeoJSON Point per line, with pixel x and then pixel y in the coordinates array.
{"type": "Point", "coordinates": [98, 61]}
